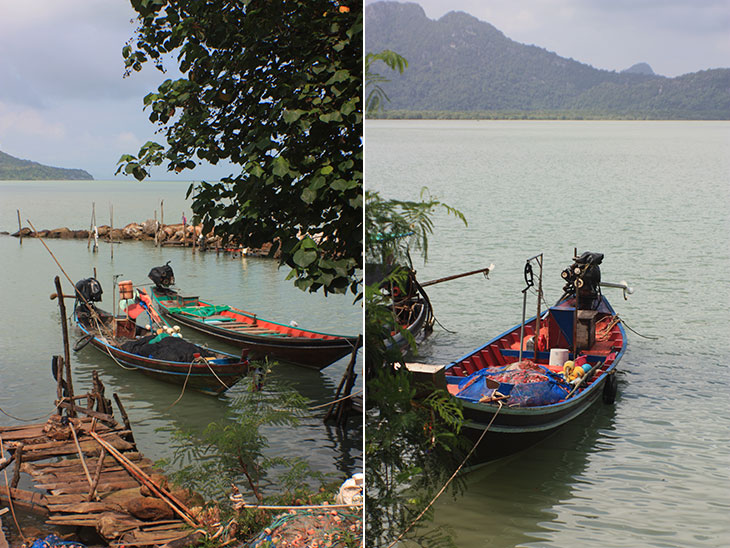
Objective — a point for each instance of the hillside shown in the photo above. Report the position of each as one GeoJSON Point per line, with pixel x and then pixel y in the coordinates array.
{"type": "Point", "coordinates": [461, 65]}
{"type": "Point", "coordinates": [15, 169]}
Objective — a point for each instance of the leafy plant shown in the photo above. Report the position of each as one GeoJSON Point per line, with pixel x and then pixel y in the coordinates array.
{"type": "Point", "coordinates": [375, 95]}
{"type": "Point", "coordinates": [234, 451]}
{"type": "Point", "coordinates": [274, 89]}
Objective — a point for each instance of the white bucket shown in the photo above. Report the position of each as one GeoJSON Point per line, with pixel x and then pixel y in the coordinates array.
{"type": "Point", "coordinates": [558, 356]}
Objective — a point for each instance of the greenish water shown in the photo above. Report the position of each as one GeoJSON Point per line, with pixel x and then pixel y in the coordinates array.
{"type": "Point", "coordinates": [30, 325]}
{"type": "Point", "coordinates": [653, 469]}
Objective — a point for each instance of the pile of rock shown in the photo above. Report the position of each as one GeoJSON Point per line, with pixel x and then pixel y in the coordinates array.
{"type": "Point", "coordinates": [150, 230]}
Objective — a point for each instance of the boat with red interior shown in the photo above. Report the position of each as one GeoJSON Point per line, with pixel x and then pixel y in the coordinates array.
{"type": "Point", "coordinates": [158, 352]}
{"type": "Point", "coordinates": [288, 343]}
{"type": "Point", "coordinates": [532, 379]}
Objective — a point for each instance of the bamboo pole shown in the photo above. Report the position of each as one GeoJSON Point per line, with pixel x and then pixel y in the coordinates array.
{"type": "Point", "coordinates": [20, 228]}
{"type": "Point", "coordinates": [59, 381]}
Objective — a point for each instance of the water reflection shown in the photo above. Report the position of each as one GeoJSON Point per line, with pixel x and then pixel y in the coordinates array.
{"type": "Point", "coordinates": [512, 501]}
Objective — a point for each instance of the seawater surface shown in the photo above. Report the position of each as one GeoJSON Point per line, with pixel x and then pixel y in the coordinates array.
{"type": "Point", "coordinates": [654, 468]}
{"type": "Point", "coordinates": [30, 332]}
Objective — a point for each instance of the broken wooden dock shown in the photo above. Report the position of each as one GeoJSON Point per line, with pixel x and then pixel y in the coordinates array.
{"type": "Point", "coordinates": [87, 472]}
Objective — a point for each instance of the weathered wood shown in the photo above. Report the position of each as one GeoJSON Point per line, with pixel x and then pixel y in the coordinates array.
{"type": "Point", "coordinates": [125, 419]}
{"type": "Point", "coordinates": [85, 507]}
{"type": "Point", "coordinates": [81, 454]}
{"type": "Point", "coordinates": [178, 507]}
{"type": "Point", "coordinates": [100, 416]}
{"type": "Point", "coordinates": [97, 475]}
{"type": "Point", "coordinates": [66, 348]}
{"type": "Point", "coordinates": [18, 463]}
{"type": "Point", "coordinates": [27, 500]}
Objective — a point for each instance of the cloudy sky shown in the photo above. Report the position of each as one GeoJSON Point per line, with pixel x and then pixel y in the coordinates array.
{"type": "Point", "coordinates": [63, 99]}
{"type": "Point", "coordinates": [674, 36]}
{"type": "Point", "coordinates": [64, 102]}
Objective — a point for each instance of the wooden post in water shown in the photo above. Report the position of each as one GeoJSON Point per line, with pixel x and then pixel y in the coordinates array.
{"type": "Point", "coordinates": [66, 351]}
{"type": "Point", "coordinates": [339, 409]}
{"type": "Point", "coordinates": [92, 226]}
{"type": "Point", "coordinates": [58, 366]}
{"type": "Point", "coordinates": [157, 230]}
{"type": "Point", "coordinates": [20, 228]}
{"type": "Point", "coordinates": [111, 230]}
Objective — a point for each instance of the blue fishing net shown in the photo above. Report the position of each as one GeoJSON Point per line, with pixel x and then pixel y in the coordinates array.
{"type": "Point", "coordinates": [526, 387]}
{"type": "Point", "coordinates": [52, 541]}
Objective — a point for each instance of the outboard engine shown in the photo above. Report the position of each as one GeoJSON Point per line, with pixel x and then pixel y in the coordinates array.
{"type": "Point", "coordinates": [162, 276]}
{"type": "Point", "coordinates": [88, 291]}
{"type": "Point", "coordinates": [583, 279]}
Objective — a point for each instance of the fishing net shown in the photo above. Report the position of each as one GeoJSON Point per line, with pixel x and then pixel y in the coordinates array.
{"type": "Point", "coordinates": [305, 528]}
{"type": "Point", "coordinates": [172, 349]}
{"type": "Point", "coordinates": [526, 384]}
{"type": "Point", "coordinates": [203, 312]}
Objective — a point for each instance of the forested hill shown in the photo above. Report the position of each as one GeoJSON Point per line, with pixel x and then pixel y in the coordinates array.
{"type": "Point", "coordinates": [467, 68]}
{"type": "Point", "coordinates": [15, 169]}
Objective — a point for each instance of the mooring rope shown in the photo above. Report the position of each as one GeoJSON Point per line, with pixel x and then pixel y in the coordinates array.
{"type": "Point", "coordinates": [448, 482]}
{"type": "Point", "coordinates": [335, 401]}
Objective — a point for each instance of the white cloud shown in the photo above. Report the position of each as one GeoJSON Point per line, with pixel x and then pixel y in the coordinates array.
{"type": "Point", "coordinates": [22, 122]}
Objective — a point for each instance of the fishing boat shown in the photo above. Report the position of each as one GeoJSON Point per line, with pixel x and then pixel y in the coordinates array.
{"type": "Point", "coordinates": [287, 343]}
{"type": "Point", "coordinates": [161, 353]}
{"type": "Point", "coordinates": [410, 305]}
{"type": "Point", "coordinates": [527, 382]}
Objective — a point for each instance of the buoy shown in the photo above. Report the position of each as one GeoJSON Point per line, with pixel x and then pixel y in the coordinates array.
{"type": "Point", "coordinates": [568, 368]}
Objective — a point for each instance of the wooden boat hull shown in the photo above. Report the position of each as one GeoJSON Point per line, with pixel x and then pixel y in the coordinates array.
{"type": "Point", "coordinates": [511, 429]}
{"type": "Point", "coordinates": [420, 321]}
{"type": "Point", "coordinates": [305, 348]}
{"type": "Point", "coordinates": [213, 377]}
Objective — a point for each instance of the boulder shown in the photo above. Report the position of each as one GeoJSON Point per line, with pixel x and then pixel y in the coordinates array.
{"type": "Point", "coordinates": [64, 233]}
{"type": "Point", "coordinates": [149, 227]}
{"type": "Point", "coordinates": [133, 231]}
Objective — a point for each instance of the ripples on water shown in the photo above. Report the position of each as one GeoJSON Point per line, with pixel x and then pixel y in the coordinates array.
{"type": "Point", "coordinates": [654, 469]}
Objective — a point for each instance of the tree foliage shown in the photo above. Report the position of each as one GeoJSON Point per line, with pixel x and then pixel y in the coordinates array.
{"type": "Point", "coordinates": [375, 95]}
{"type": "Point", "coordinates": [274, 88]}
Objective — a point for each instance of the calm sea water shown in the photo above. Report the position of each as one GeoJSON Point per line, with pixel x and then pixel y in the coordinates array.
{"type": "Point", "coordinates": [654, 197]}
{"type": "Point", "coordinates": [30, 326]}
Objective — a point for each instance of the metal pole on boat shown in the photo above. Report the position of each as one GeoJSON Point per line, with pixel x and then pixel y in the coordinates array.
{"type": "Point", "coordinates": [529, 281]}
{"type": "Point", "coordinates": [538, 258]}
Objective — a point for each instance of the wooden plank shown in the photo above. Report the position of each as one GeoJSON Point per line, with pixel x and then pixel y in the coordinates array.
{"type": "Point", "coordinates": [85, 507]}
{"type": "Point", "coordinates": [28, 500]}
{"type": "Point", "coordinates": [103, 487]}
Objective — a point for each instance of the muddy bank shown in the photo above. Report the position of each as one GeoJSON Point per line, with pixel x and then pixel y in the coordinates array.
{"type": "Point", "coordinates": [151, 230]}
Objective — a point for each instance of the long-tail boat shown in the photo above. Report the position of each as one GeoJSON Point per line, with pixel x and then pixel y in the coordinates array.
{"type": "Point", "coordinates": [159, 353]}
{"type": "Point", "coordinates": [537, 376]}
{"type": "Point", "coordinates": [288, 343]}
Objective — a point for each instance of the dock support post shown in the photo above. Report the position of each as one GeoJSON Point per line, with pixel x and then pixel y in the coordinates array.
{"type": "Point", "coordinates": [66, 350]}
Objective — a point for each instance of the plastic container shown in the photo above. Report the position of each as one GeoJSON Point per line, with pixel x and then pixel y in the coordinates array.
{"type": "Point", "coordinates": [558, 356]}
{"type": "Point", "coordinates": [125, 290]}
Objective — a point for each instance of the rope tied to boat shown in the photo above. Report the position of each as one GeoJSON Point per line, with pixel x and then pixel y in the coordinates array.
{"type": "Point", "coordinates": [336, 401]}
{"type": "Point", "coordinates": [448, 482]}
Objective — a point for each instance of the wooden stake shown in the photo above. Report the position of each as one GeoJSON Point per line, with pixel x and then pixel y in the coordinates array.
{"type": "Point", "coordinates": [20, 228]}
{"type": "Point", "coordinates": [81, 454]}
{"type": "Point", "coordinates": [111, 233]}
{"type": "Point", "coordinates": [97, 475]}
{"type": "Point", "coordinates": [66, 350]}
{"type": "Point", "coordinates": [59, 381]}
{"type": "Point", "coordinates": [18, 463]}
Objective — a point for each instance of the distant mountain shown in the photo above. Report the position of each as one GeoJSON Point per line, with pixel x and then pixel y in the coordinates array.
{"type": "Point", "coordinates": [639, 68]}
{"type": "Point", "coordinates": [459, 66]}
{"type": "Point", "coordinates": [15, 169]}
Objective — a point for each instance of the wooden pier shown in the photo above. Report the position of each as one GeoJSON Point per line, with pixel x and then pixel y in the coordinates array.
{"type": "Point", "coordinates": [87, 472]}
